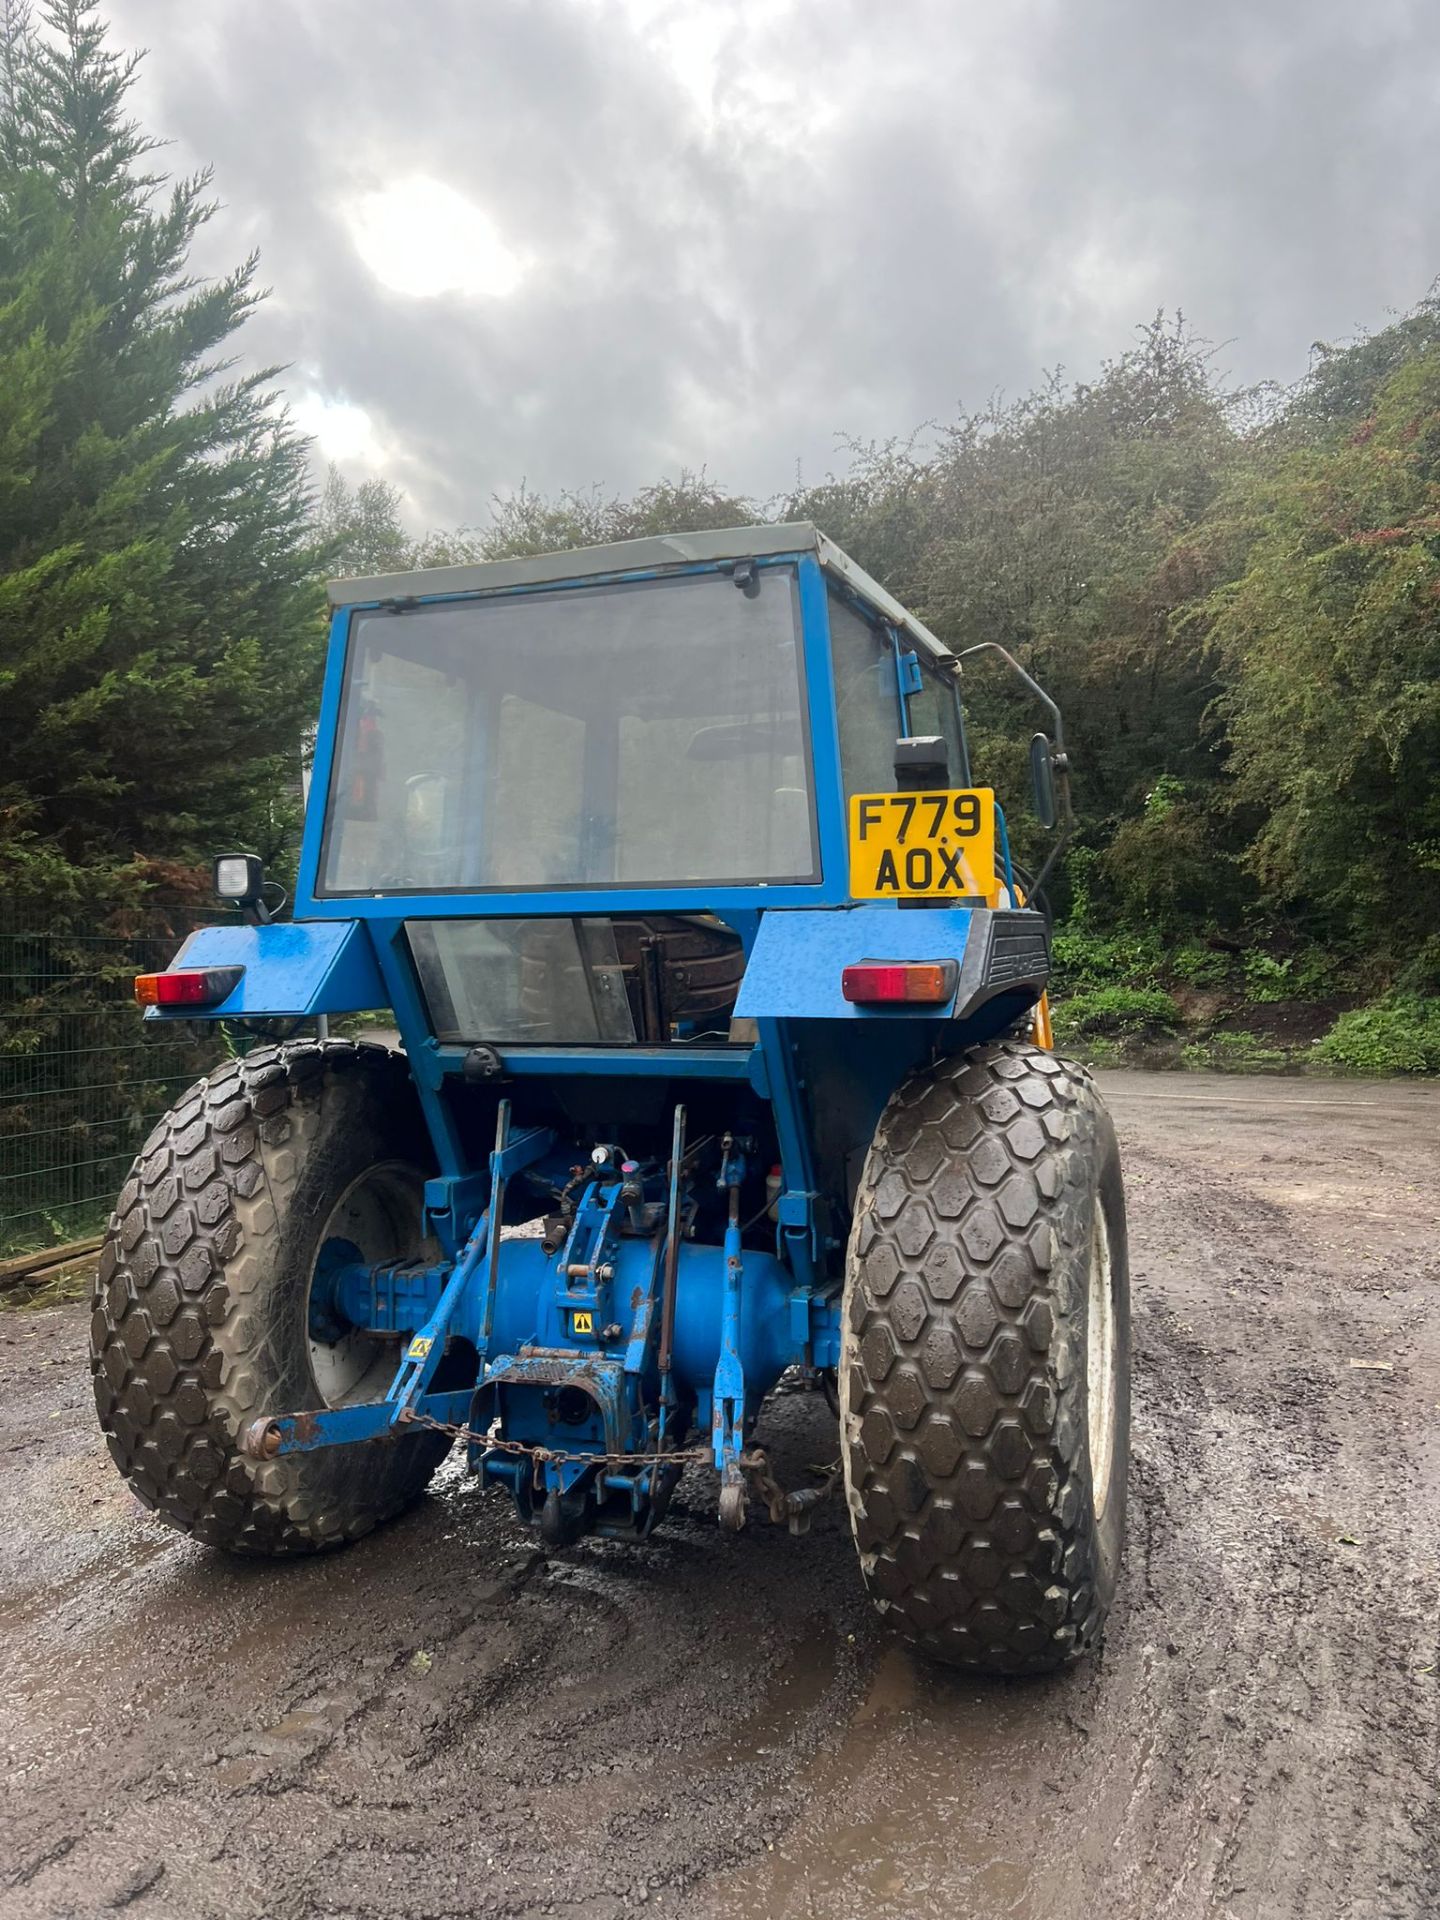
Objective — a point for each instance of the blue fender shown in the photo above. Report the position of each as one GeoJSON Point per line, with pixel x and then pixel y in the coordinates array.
{"type": "Point", "coordinates": [797, 960]}
{"type": "Point", "coordinates": [795, 965]}
{"type": "Point", "coordinates": [297, 967]}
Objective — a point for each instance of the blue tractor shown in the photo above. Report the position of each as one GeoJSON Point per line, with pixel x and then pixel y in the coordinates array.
{"type": "Point", "coordinates": [723, 1057]}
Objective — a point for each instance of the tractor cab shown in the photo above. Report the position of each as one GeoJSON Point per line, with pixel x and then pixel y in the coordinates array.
{"type": "Point", "coordinates": [581, 777]}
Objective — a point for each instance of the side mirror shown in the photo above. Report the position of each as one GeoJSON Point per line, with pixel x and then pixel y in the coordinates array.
{"type": "Point", "coordinates": [1042, 779]}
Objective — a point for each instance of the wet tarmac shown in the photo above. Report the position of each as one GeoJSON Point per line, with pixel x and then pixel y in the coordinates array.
{"type": "Point", "coordinates": [444, 1721]}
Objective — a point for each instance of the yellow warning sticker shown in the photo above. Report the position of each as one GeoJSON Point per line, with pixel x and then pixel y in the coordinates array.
{"type": "Point", "coordinates": [582, 1322]}
{"type": "Point", "coordinates": [420, 1349]}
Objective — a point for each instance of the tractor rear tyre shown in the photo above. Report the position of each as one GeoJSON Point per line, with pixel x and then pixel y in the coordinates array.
{"type": "Point", "coordinates": [202, 1304]}
{"type": "Point", "coordinates": [984, 1380]}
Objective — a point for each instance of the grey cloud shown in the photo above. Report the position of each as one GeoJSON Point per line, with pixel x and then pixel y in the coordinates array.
{"type": "Point", "coordinates": [959, 194]}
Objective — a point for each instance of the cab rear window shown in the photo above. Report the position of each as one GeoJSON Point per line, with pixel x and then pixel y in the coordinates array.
{"type": "Point", "coordinates": [642, 734]}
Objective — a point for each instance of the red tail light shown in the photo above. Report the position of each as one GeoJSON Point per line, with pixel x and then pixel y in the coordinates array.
{"type": "Point", "coordinates": [891, 983]}
{"type": "Point", "coordinates": [187, 986]}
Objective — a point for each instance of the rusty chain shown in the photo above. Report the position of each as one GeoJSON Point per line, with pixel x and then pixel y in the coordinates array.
{"type": "Point", "coordinates": [681, 1456]}
{"type": "Point", "coordinates": [794, 1509]}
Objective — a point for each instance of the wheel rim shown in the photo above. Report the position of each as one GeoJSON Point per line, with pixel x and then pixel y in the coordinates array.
{"type": "Point", "coordinates": [1100, 1367]}
{"type": "Point", "coordinates": [379, 1217]}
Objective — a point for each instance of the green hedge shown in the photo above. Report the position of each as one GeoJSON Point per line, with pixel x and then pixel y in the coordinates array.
{"type": "Point", "coordinates": [1399, 1035]}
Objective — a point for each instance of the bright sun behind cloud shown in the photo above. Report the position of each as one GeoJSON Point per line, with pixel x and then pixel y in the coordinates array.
{"type": "Point", "coordinates": [342, 430]}
{"type": "Point", "coordinates": [419, 236]}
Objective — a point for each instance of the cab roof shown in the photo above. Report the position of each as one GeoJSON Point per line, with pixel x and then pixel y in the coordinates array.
{"type": "Point", "coordinates": [653, 553]}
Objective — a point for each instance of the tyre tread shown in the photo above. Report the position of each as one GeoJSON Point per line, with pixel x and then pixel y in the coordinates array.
{"type": "Point", "coordinates": [179, 1347]}
{"type": "Point", "coordinates": [962, 1418]}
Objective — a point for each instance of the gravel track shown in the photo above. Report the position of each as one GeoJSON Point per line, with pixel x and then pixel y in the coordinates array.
{"type": "Point", "coordinates": [443, 1721]}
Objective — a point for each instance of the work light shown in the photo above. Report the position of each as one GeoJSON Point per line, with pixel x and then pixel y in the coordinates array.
{"type": "Point", "coordinates": [240, 877]}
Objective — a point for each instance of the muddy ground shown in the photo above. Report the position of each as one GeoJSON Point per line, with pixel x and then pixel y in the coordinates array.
{"type": "Point", "coordinates": [443, 1721]}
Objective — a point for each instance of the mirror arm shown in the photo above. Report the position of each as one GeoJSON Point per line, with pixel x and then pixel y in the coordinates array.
{"type": "Point", "coordinates": [1067, 835]}
{"type": "Point", "coordinates": [1060, 760]}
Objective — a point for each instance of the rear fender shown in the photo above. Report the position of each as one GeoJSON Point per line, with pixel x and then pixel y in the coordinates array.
{"type": "Point", "coordinates": [291, 967]}
{"type": "Point", "coordinates": [798, 957]}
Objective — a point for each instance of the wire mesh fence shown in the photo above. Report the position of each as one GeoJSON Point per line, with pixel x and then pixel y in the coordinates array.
{"type": "Point", "coordinates": [82, 1080]}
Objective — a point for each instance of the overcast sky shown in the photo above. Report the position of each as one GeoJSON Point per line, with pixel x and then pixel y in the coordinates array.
{"type": "Point", "coordinates": [568, 241]}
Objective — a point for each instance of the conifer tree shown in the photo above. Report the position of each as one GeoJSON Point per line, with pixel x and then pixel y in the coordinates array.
{"type": "Point", "coordinates": [159, 640]}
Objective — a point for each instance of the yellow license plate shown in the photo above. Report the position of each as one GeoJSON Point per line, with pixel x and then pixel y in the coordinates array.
{"type": "Point", "coordinates": [923, 846]}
